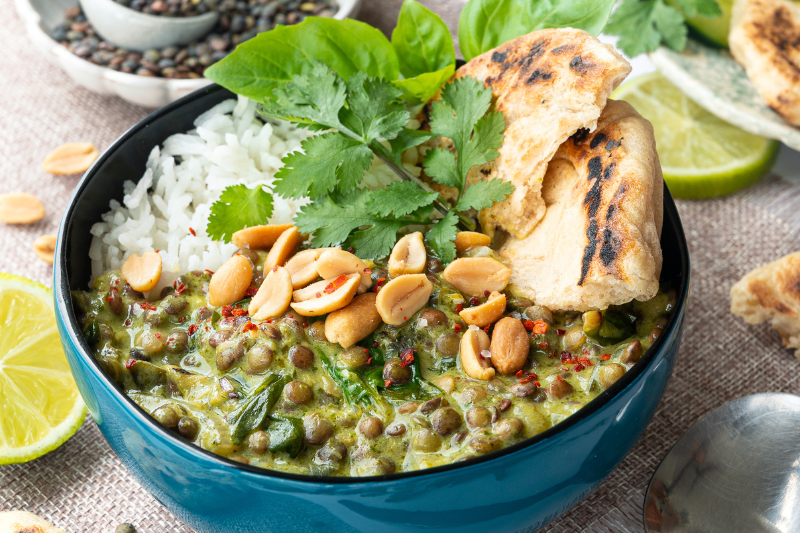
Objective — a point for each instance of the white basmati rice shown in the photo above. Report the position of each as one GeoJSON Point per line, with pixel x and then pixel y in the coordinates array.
{"type": "Point", "coordinates": [184, 177]}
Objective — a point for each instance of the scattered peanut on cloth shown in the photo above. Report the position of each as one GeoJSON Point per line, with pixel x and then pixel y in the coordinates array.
{"type": "Point", "coordinates": [45, 248]}
{"type": "Point", "coordinates": [20, 208]}
{"type": "Point", "coordinates": [70, 158]}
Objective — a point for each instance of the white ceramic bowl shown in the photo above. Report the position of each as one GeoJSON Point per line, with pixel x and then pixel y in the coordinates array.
{"type": "Point", "coordinates": [134, 30]}
{"type": "Point", "coordinates": [39, 16]}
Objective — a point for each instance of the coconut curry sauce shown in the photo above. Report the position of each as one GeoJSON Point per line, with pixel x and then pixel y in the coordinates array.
{"type": "Point", "coordinates": [428, 390]}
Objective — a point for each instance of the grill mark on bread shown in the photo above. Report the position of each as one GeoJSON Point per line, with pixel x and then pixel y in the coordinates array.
{"type": "Point", "coordinates": [600, 137]}
{"type": "Point", "coordinates": [499, 57]}
{"type": "Point", "coordinates": [613, 144]}
{"type": "Point", "coordinates": [589, 251]}
{"type": "Point", "coordinates": [539, 75]}
{"type": "Point", "coordinates": [579, 65]}
{"type": "Point", "coordinates": [766, 298]}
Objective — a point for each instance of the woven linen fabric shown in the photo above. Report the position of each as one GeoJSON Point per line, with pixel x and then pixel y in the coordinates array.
{"type": "Point", "coordinates": [83, 487]}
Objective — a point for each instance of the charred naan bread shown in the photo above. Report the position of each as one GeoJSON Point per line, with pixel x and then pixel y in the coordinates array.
{"type": "Point", "coordinates": [599, 242]}
{"type": "Point", "coordinates": [548, 85]}
{"type": "Point", "coordinates": [24, 522]}
{"type": "Point", "coordinates": [772, 292]}
{"type": "Point", "coordinates": [765, 40]}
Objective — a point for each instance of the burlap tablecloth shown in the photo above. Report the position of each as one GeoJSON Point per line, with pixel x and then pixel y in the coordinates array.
{"type": "Point", "coordinates": [82, 486]}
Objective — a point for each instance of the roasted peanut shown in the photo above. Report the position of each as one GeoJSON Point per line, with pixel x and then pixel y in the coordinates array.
{"type": "Point", "coordinates": [474, 275]}
{"type": "Point", "coordinates": [467, 239]}
{"type": "Point", "coordinates": [331, 301]}
{"type": "Point", "coordinates": [475, 365]}
{"type": "Point", "coordinates": [143, 272]}
{"type": "Point", "coordinates": [283, 248]}
{"type": "Point", "coordinates": [274, 295]}
{"type": "Point", "coordinates": [446, 383]}
{"type": "Point", "coordinates": [408, 256]}
{"type": "Point", "coordinates": [510, 346]}
{"type": "Point", "coordinates": [303, 266]}
{"type": "Point", "coordinates": [316, 290]}
{"type": "Point", "coordinates": [399, 299]}
{"type": "Point", "coordinates": [20, 208]}
{"type": "Point", "coordinates": [336, 262]}
{"type": "Point", "coordinates": [70, 158]}
{"type": "Point", "coordinates": [259, 237]}
{"type": "Point", "coordinates": [229, 282]}
{"type": "Point", "coordinates": [45, 248]}
{"type": "Point", "coordinates": [610, 373]}
{"type": "Point", "coordinates": [485, 314]}
{"type": "Point", "coordinates": [349, 325]}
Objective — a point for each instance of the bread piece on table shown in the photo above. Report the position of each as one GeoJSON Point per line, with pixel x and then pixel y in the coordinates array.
{"type": "Point", "coordinates": [599, 242]}
{"type": "Point", "coordinates": [765, 40]}
{"type": "Point", "coordinates": [772, 292]}
{"type": "Point", "coordinates": [25, 522]}
{"type": "Point", "coordinates": [548, 84]}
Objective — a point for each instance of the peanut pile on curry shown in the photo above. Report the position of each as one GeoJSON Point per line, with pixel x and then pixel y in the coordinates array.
{"type": "Point", "coordinates": [509, 290]}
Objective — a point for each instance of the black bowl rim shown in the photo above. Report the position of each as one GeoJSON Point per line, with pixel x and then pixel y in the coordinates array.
{"type": "Point", "coordinates": [62, 291]}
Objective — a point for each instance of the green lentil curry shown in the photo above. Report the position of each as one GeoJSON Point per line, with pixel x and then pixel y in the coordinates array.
{"type": "Point", "coordinates": [275, 394]}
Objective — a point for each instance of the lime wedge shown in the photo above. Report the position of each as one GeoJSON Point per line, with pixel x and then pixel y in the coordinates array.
{"type": "Point", "coordinates": [701, 155]}
{"type": "Point", "coordinates": [40, 407]}
{"type": "Point", "coordinates": [714, 30]}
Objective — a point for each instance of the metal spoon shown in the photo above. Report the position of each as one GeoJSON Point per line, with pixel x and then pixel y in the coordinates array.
{"type": "Point", "coordinates": [737, 469]}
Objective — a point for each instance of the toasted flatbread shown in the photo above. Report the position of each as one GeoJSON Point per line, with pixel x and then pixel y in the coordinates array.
{"type": "Point", "coordinates": [772, 292]}
{"type": "Point", "coordinates": [765, 40]}
{"type": "Point", "coordinates": [599, 242]}
{"type": "Point", "coordinates": [548, 84]}
{"type": "Point", "coordinates": [24, 522]}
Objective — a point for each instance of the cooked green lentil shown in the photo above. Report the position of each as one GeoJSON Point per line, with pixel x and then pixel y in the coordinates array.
{"type": "Point", "coordinates": [277, 395]}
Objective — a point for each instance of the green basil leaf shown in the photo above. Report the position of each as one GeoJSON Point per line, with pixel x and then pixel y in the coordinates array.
{"type": "Point", "coordinates": [252, 413]}
{"type": "Point", "coordinates": [486, 24]}
{"type": "Point", "coordinates": [422, 41]}
{"type": "Point", "coordinates": [272, 58]}
{"type": "Point", "coordinates": [420, 89]}
{"type": "Point", "coordinates": [286, 435]}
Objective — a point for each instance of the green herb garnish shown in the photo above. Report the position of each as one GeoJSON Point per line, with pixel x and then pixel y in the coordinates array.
{"type": "Point", "coordinates": [238, 206]}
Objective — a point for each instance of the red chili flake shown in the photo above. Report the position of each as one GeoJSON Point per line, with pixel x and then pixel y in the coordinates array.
{"type": "Point", "coordinates": [565, 368]}
{"type": "Point", "coordinates": [561, 332]}
{"type": "Point", "coordinates": [318, 295]}
{"type": "Point", "coordinates": [567, 358]}
{"type": "Point", "coordinates": [486, 293]}
{"type": "Point", "coordinates": [579, 367]}
{"type": "Point", "coordinates": [486, 329]}
{"type": "Point", "coordinates": [605, 357]}
{"type": "Point", "coordinates": [559, 378]}
{"type": "Point", "coordinates": [291, 315]}
{"type": "Point", "coordinates": [269, 321]}
{"type": "Point", "coordinates": [378, 284]}
{"type": "Point", "coordinates": [387, 383]}
{"type": "Point", "coordinates": [528, 325]}
{"type": "Point", "coordinates": [540, 327]}
{"type": "Point", "coordinates": [537, 383]}
{"type": "Point", "coordinates": [525, 377]}
{"type": "Point", "coordinates": [474, 301]}
{"type": "Point", "coordinates": [179, 287]}
{"type": "Point", "coordinates": [585, 361]}
{"type": "Point", "coordinates": [375, 344]}
{"type": "Point", "coordinates": [544, 345]}
{"type": "Point", "coordinates": [405, 317]}
{"type": "Point", "coordinates": [182, 319]}
{"type": "Point", "coordinates": [519, 373]}
{"type": "Point", "coordinates": [367, 270]}
{"type": "Point", "coordinates": [192, 232]}
{"type": "Point", "coordinates": [129, 363]}
{"type": "Point", "coordinates": [192, 329]}
{"type": "Point", "coordinates": [128, 322]}
{"type": "Point", "coordinates": [275, 269]}
{"type": "Point", "coordinates": [369, 361]}
{"type": "Point", "coordinates": [351, 250]}
{"type": "Point", "coordinates": [227, 311]}
{"type": "Point", "coordinates": [210, 273]}
{"type": "Point", "coordinates": [406, 357]}
{"type": "Point", "coordinates": [335, 284]}
{"type": "Point", "coordinates": [457, 328]}
{"type": "Point", "coordinates": [459, 308]}
{"type": "Point", "coordinates": [239, 312]}
{"type": "Point", "coordinates": [251, 291]}
{"type": "Point", "coordinates": [305, 324]}
{"type": "Point", "coordinates": [249, 327]}
{"type": "Point", "coordinates": [158, 335]}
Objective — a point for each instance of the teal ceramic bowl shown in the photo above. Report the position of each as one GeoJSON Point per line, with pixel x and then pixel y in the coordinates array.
{"type": "Point", "coordinates": [516, 489]}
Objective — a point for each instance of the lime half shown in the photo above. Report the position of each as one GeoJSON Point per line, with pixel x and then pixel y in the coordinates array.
{"type": "Point", "coordinates": [701, 155]}
{"type": "Point", "coordinates": [40, 407]}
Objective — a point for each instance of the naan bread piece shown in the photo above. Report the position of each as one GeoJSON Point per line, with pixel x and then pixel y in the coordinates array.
{"type": "Point", "coordinates": [765, 40]}
{"type": "Point", "coordinates": [548, 84]}
{"type": "Point", "coordinates": [599, 242]}
{"type": "Point", "coordinates": [772, 292]}
{"type": "Point", "coordinates": [24, 522]}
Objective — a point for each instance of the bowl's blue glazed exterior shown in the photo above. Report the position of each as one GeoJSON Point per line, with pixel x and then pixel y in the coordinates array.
{"type": "Point", "coordinates": [516, 489]}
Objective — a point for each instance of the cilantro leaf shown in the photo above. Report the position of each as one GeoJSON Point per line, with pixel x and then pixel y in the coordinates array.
{"type": "Point", "coordinates": [406, 139]}
{"type": "Point", "coordinates": [330, 161]}
{"type": "Point", "coordinates": [375, 111]}
{"type": "Point", "coordinates": [315, 97]}
{"type": "Point", "coordinates": [238, 207]}
{"type": "Point", "coordinates": [440, 165]}
{"type": "Point", "coordinates": [399, 198]}
{"type": "Point", "coordinates": [332, 222]}
{"type": "Point", "coordinates": [483, 194]}
{"type": "Point", "coordinates": [441, 237]}
{"type": "Point", "coordinates": [642, 25]}
{"type": "Point", "coordinates": [486, 139]}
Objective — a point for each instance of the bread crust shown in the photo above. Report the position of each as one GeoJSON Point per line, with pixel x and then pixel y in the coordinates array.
{"type": "Point", "coordinates": [25, 522]}
{"type": "Point", "coordinates": [548, 84]}
{"type": "Point", "coordinates": [599, 242]}
{"type": "Point", "coordinates": [772, 293]}
{"type": "Point", "coordinates": [765, 40]}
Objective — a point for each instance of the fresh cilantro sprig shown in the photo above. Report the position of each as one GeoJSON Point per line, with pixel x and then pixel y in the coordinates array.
{"type": "Point", "coordinates": [643, 25]}
{"type": "Point", "coordinates": [238, 207]}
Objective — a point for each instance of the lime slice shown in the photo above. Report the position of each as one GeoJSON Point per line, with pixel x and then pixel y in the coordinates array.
{"type": "Point", "coordinates": [40, 407]}
{"type": "Point", "coordinates": [714, 30]}
{"type": "Point", "coordinates": [701, 155]}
